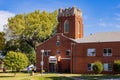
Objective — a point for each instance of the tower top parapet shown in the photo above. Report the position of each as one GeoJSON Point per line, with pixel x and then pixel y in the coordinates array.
{"type": "Point", "coordinates": [69, 12]}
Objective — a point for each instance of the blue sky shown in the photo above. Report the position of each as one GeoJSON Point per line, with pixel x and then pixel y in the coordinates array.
{"type": "Point", "coordinates": [98, 15]}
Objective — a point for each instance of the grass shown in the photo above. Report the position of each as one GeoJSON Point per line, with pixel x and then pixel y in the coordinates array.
{"type": "Point", "coordinates": [37, 76]}
{"type": "Point", "coordinates": [50, 76]}
{"type": "Point", "coordinates": [96, 76]}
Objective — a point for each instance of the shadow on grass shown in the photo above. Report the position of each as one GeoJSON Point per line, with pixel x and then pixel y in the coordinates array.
{"type": "Point", "coordinates": [25, 79]}
{"type": "Point", "coordinates": [97, 77]}
{"type": "Point", "coordinates": [6, 76]}
{"type": "Point", "coordinates": [56, 78]}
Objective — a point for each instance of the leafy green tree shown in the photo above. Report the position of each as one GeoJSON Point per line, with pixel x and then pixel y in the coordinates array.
{"type": "Point", "coordinates": [16, 60]}
{"type": "Point", "coordinates": [29, 51]}
{"type": "Point", "coordinates": [31, 28]}
{"type": "Point", "coordinates": [21, 46]}
{"type": "Point", "coordinates": [11, 45]}
{"type": "Point", "coordinates": [34, 27]}
{"type": "Point", "coordinates": [117, 65]}
{"type": "Point", "coordinates": [98, 67]}
{"type": "Point", "coordinates": [15, 45]}
{"type": "Point", "coordinates": [2, 41]}
{"type": "Point", "coordinates": [32, 58]}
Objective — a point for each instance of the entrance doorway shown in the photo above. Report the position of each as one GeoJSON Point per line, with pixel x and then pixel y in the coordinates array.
{"type": "Point", "coordinates": [52, 67]}
{"type": "Point", "coordinates": [52, 63]}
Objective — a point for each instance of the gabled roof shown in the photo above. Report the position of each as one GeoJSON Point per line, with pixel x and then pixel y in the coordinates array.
{"type": "Point", "coordinates": [60, 34]}
{"type": "Point", "coordinates": [100, 37]}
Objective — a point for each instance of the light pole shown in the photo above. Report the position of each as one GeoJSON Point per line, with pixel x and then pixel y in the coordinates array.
{"type": "Point", "coordinates": [42, 63]}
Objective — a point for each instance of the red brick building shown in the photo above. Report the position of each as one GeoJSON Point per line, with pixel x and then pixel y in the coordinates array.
{"type": "Point", "coordinates": [69, 51]}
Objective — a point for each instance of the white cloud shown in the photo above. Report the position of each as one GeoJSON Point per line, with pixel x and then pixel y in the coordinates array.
{"type": "Point", "coordinates": [102, 24]}
{"type": "Point", "coordinates": [117, 14]}
{"type": "Point", "coordinates": [4, 15]}
{"type": "Point", "coordinates": [100, 19]}
{"type": "Point", "coordinates": [118, 19]}
{"type": "Point", "coordinates": [117, 26]}
{"type": "Point", "coordinates": [118, 6]}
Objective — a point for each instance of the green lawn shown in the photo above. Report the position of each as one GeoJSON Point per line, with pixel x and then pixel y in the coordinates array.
{"type": "Point", "coordinates": [96, 76]}
{"type": "Point", "coordinates": [37, 76]}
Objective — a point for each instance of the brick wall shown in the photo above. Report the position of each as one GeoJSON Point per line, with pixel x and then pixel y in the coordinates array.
{"type": "Point", "coordinates": [82, 59]}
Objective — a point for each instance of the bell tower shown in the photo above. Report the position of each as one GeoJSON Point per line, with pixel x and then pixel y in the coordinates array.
{"type": "Point", "coordinates": [70, 22]}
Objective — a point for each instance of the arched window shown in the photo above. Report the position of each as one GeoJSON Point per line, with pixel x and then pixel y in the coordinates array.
{"type": "Point", "coordinates": [66, 26]}
{"type": "Point", "coordinates": [78, 27]}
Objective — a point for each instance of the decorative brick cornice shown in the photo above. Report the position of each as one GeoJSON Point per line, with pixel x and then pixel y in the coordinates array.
{"type": "Point", "coordinates": [69, 12]}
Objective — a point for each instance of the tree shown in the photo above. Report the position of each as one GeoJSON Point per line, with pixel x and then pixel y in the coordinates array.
{"type": "Point", "coordinates": [2, 41]}
{"type": "Point", "coordinates": [21, 46]}
{"type": "Point", "coordinates": [98, 67]}
{"type": "Point", "coordinates": [32, 58]}
{"type": "Point", "coordinates": [11, 45]}
{"type": "Point", "coordinates": [117, 65]}
{"type": "Point", "coordinates": [16, 60]}
{"type": "Point", "coordinates": [29, 51]}
{"type": "Point", "coordinates": [34, 27]}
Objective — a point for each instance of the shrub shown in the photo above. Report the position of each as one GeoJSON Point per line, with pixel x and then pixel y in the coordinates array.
{"type": "Point", "coordinates": [16, 60]}
{"type": "Point", "coordinates": [97, 67]}
{"type": "Point", "coordinates": [117, 65]}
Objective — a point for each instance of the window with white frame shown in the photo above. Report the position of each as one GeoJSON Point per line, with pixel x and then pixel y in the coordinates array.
{"type": "Point", "coordinates": [107, 67]}
{"type": "Point", "coordinates": [68, 52]}
{"type": "Point", "coordinates": [47, 52]}
{"type": "Point", "coordinates": [91, 52]}
{"type": "Point", "coordinates": [107, 52]}
{"type": "Point", "coordinates": [57, 43]}
{"type": "Point", "coordinates": [90, 67]}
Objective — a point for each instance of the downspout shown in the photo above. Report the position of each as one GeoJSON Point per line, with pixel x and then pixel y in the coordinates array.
{"type": "Point", "coordinates": [74, 58]}
{"type": "Point", "coordinates": [73, 61]}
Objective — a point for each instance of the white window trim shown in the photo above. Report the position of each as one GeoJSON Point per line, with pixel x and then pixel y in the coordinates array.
{"type": "Point", "coordinates": [91, 68]}
{"type": "Point", "coordinates": [106, 67]}
{"type": "Point", "coordinates": [107, 52]}
{"type": "Point", "coordinates": [69, 52]}
{"type": "Point", "coordinates": [47, 51]}
{"type": "Point", "coordinates": [90, 50]}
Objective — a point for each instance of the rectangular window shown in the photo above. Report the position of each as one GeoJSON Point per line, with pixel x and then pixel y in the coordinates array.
{"type": "Point", "coordinates": [68, 52]}
{"type": "Point", "coordinates": [58, 43]}
{"type": "Point", "coordinates": [90, 67]}
{"type": "Point", "coordinates": [78, 27]}
{"type": "Point", "coordinates": [107, 67]}
{"type": "Point", "coordinates": [66, 26]}
{"type": "Point", "coordinates": [91, 52]}
{"type": "Point", "coordinates": [47, 52]}
{"type": "Point", "coordinates": [107, 52]}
